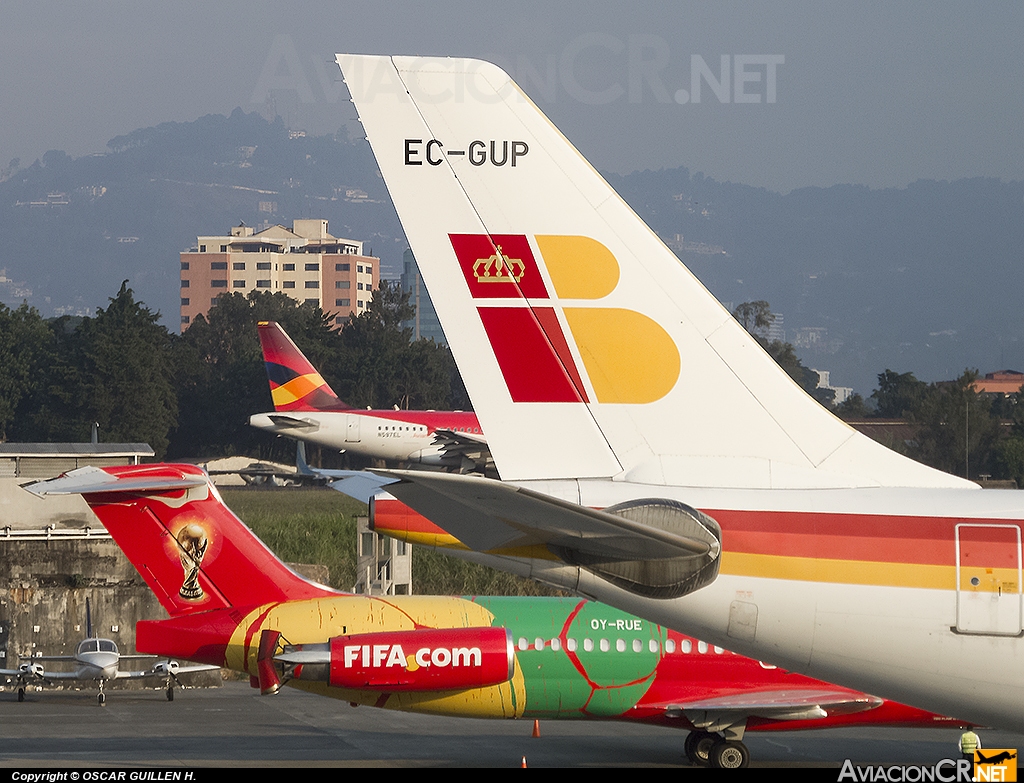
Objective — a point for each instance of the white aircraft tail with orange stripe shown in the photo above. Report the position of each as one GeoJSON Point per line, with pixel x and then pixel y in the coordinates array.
{"type": "Point", "coordinates": [570, 319]}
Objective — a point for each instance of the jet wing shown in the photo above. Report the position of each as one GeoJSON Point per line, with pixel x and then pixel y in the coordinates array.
{"type": "Point", "coordinates": [652, 547]}
{"type": "Point", "coordinates": [772, 704]}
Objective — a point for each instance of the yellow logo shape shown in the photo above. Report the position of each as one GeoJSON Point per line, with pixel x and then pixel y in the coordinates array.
{"type": "Point", "coordinates": [580, 267]}
{"type": "Point", "coordinates": [628, 356]}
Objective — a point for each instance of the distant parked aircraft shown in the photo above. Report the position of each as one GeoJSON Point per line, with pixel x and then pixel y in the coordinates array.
{"type": "Point", "coordinates": [96, 660]}
{"type": "Point", "coordinates": [307, 409]}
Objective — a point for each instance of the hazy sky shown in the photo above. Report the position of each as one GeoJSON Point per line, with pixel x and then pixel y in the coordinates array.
{"type": "Point", "coordinates": [817, 93]}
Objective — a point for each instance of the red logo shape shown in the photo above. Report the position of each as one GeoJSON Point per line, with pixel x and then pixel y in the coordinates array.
{"type": "Point", "coordinates": [498, 266]}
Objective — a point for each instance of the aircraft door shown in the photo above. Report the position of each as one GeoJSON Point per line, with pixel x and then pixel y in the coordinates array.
{"type": "Point", "coordinates": [988, 579]}
{"type": "Point", "coordinates": [352, 428]}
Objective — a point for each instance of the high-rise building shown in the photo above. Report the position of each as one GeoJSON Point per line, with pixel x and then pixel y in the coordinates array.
{"type": "Point", "coordinates": [305, 262]}
{"type": "Point", "coordinates": [425, 323]}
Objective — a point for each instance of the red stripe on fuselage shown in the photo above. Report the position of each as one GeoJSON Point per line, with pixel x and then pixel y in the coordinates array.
{"type": "Point", "coordinates": [903, 539]}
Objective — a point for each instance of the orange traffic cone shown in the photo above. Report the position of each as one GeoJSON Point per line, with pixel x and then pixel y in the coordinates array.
{"type": "Point", "coordinates": [536, 728]}
{"type": "Point", "coordinates": [523, 765]}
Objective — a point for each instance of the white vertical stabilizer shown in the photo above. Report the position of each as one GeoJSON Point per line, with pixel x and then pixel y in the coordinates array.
{"type": "Point", "coordinates": [587, 348]}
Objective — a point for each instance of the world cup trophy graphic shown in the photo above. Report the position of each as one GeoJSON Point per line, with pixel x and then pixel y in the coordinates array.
{"type": "Point", "coordinates": [192, 543]}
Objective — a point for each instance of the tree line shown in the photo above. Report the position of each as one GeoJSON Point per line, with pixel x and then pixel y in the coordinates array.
{"type": "Point", "coordinates": [950, 425]}
{"type": "Point", "coordinates": [191, 395]}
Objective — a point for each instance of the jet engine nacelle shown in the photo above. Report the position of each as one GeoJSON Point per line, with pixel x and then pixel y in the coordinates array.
{"type": "Point", "coordinates": [430, 659]}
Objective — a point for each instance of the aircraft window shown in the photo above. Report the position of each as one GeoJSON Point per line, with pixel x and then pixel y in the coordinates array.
{"type": "Point", "coordinates": [702, 647]}
{"type": "Point", "coordinates": [719, 650]}
{"type": "Point", "coordinates": [570, 645]}
{"type": "Point", "coordinates": [652, 645]}
{"type": "Point", "coordinates": [638, 646]}
{"type": "Point", "coordinates": [670, 646]}
{"type": "Point", "coordinates": [538, 644]}
{"type": "Point", "coordinates": [107, 646]}
{"type": "Point", "coordinates": [523, 644]}
{"type": "Point", "coordinates": [89, 645]}
{"type": "Point", "coordinates": [687, 646]}
{"type": "Point", "coordinates": [556, 645]}
{"type": "Point", "coordinates": [605, 646]}
{"type": "Point", "coordinates": [620, 645]}
{"type": "Point", "coordinates": [588, 645]}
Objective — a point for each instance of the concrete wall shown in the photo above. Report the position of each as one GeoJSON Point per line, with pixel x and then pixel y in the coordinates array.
{"type": "Point", "coordinates": [43, 589]}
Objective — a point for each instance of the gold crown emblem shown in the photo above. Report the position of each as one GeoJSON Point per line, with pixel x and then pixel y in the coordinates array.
{"type": "Point", "coordinates": [498, 269]}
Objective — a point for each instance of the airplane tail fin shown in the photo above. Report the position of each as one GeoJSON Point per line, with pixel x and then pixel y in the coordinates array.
{"type": "Point", "coordinates": [192, 551]}
{"type": "Point", "coordinates": [569, 317]}
{"type": "Point", "coordinates": [295, 384]}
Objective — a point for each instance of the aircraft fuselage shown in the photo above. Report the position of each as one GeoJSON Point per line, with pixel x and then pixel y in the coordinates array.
{"type": "Point", "coordinates": [401, 436]}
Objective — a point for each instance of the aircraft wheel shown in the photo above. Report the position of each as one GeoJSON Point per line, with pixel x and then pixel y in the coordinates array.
{"type": "Point", "coordinates": [170, 694]}
{"type": "Point", "coordinates": [728, 754]}
{"type": "Point", "coordinates": [102, 699]}
{"type": "Point", "coordinates": [698, 747]}
{"type": "Point", "coordinates": [21, 694]}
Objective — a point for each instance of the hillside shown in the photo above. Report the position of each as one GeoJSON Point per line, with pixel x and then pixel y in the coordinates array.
{"type": "Point", "coordinates": [920, 279]}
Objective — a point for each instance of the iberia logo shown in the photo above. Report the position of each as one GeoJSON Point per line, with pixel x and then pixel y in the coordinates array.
{"type": "Point", "coordinates": [626, 356]}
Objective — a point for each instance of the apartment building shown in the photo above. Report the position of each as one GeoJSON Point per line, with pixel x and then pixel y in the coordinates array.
{"type": "Point", "coordinates": [305, 262]}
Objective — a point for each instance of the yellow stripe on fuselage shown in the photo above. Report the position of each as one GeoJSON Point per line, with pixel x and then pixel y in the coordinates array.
{"type": "Point", "coordinates": [854, 572]}
{"type": "Point", "coordinates": [864, 572]}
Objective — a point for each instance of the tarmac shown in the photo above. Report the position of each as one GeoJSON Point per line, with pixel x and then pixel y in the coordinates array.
{"type": "Point", "coordinates": [234, 726]}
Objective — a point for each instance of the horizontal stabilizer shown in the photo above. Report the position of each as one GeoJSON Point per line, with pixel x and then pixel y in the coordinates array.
{"type": "Point", "coordinates": [91, 479]}
{"type": "Point", "coordinates": [658, 548]}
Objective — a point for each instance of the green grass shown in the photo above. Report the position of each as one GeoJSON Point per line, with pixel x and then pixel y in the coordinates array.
{"type": "Point", "coordinates": [319, 526]}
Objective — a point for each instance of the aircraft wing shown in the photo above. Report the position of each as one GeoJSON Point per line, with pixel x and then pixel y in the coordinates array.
{"type": "Point", "coordinates": [654, 547]}
{"type": "Point", "coordinates": [773, 704]}
{"type": "Point", "coordinates": [25, 673]}
{"type": "Point", "coordinates": [165, 669]}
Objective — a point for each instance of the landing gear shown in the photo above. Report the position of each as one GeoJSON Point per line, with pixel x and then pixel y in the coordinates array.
{"type": "Point", "coordinates": [21, 694]}
{"type": "Point", "coordinates": [698, 747]}
{"type": "Point", "coordinates": [729, 754]}
{"type": "Point", "coordinates": [170, 693]}
{"type": "Point", "coordinates": [102, 697]}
